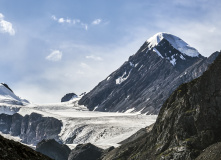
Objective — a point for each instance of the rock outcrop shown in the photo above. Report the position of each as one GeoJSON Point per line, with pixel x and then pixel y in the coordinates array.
{"type": "Point", "coordinates": [189, 122]}
{"type": "Point", "coordinates": [53, 149]}
{"type": "Point", "coordinates": [11, 150]}
{"type": "Point", "coordinates": [68, 97]}
{"type": "Point", "coordinates": [85, 152]}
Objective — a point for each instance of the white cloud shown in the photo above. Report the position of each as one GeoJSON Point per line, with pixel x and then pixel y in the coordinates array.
{"type": "Point", "coordinates": [69, 21]}
{"type": "Point", "coordinates": [96, 58]}
{"type": "Point", "coordinates": [55, 55]}
{"type": "Point", "coordinates": [61, 20]}
{"type": "Point", "coordinates": [54, 17]}
{"type": "Point", "coordinates": [5, 26]}
{"type": "Point", "coordinates": [96, 21]}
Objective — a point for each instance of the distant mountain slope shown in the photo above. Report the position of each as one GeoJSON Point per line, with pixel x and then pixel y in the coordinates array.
{"type": "Point", "coordinates": [147, 79]}
{"type": "Point", "coordinates": [7, 96]}
{"type": "Point", "coordinates": [11, 150]}
{"type": "Point", "coordinates": [188, 122]}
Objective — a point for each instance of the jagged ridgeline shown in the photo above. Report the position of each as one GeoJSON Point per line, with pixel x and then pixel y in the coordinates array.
{"type": "Point", "coordinates": [146, 80]}
{"type": "Point", "coordinates": [189, 122]}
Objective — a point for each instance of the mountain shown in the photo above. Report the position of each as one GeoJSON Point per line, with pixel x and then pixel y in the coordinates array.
{"type": "Point", "coordinates": [85, 152]}
{"type": "Point", "coordinates": [11, 150]}
{"type": "Point", "coordinates": [53, 149]}
{"type": "Point", "coordinates": [188, 125]}
{"type": "Point", "coordinates": [147, 79]}
{"type": "Point", "coordinates": [68, 97]}
{"type": "Point", "coordinates": [7, 96]}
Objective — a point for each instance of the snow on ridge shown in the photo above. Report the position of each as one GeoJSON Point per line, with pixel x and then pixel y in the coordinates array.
{"type": "Point", "coordinates": [155, 50]}
{"type": "Point", "coordinates": [175, 41]}
{"type": "Point", "coordinates": [153, 41]}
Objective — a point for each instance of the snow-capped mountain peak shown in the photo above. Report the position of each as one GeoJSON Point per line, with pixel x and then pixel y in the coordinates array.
{"type": "Point", "coordinates": [175, 41]}
{"type": "Point", "coordinates": [8, 97]}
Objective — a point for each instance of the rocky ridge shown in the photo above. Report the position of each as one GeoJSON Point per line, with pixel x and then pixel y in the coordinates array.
{"type": "Point", "coordinates": [11, 150]}
{"type": "Point", "coordinates": [53, 149]}
{"type": "Point", "coordinates": [188, 122]}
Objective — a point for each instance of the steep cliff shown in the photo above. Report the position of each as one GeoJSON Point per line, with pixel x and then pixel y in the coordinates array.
{"type": "Point", "coordinates": [31, 128]}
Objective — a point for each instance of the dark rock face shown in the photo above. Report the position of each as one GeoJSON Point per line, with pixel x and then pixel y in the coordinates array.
{"type": "Point", "coordinates": [68, 97]}
{"type": "Point", "coordinates": [5, 123]}
{"type": "Point", "coordinates": [211, 152]}
{"type": "Point", "coordinates": [146, 80]}
{"type": "Point", "coordinates": [32, 128]}
{"type": "Point", "coordinates": [11, 150]}
{"type": "Point", "coordinates": [85, 152]}
{"type": "Point", "coordinates": [15, 128]}
{"type": "Point", "coordinates": [53, 149]}
{"type": "Point", "coordinates": [188, 122]}
{"type": "Point", "coordinates": [36, 128]}
{"type": "Point", "coordinates": [138, 134]}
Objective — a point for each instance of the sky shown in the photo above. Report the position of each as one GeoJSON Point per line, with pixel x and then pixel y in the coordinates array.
{"type": "Point", "coordinates": [51, 47]}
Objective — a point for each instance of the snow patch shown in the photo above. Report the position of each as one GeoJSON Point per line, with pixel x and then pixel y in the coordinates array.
{"type": "Point", "coordinates": [122, 78]}
{"type": "Point", "coordinates": [140, 67]}
{"type": "Point", "coordinates": [95, 108]}
{"type": "Point", "coordinates": [181, 56]}
{"type": "Point", "coordinates": [173, 60]}
{"type": "Point", "coordinates": [129, 110]}
{"type": "Point", "coordinates": [155, 50]}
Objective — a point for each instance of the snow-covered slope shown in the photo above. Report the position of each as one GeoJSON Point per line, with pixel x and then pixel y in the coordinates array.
{"type": "Point", "coordinates": [8, 97]}
{"type": "Point", "coordinates": [175, 41]}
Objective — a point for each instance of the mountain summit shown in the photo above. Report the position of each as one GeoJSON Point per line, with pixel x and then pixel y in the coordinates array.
{"type": "Point", "coordinates": [147, 79]}
{"type": "Point", "coordinates": [173, 49]}
{"type": "Point", "coordinates": [175, 41]}
{"type": "Point", "coordinates": [7, 96]}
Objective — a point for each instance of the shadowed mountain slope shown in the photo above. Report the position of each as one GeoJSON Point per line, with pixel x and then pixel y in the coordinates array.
{"type": "Point", "coordinates": [189, 122]}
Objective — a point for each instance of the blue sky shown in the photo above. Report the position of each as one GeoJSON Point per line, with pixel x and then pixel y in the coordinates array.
{"type": "Point", "coordinates": [51, 47]}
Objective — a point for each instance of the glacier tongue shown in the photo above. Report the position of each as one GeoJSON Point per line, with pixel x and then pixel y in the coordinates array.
{"type": "Point", "coordinates": [175, 41]}
{"type": "Point", "coordinates": [80, 126]}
